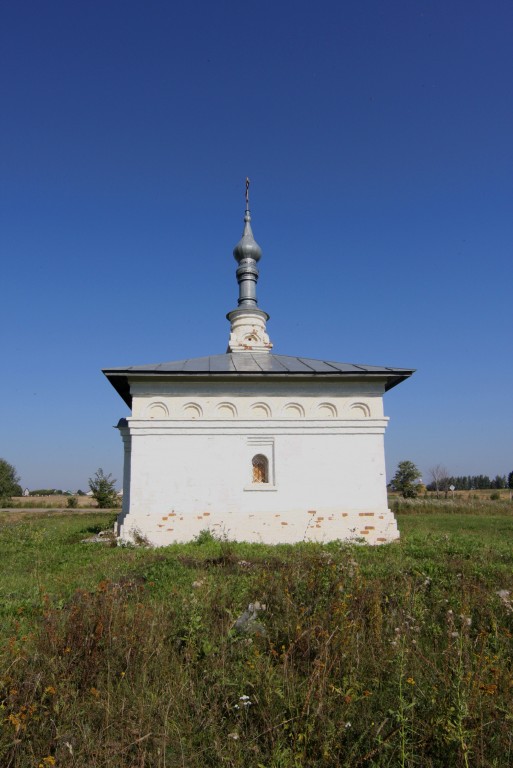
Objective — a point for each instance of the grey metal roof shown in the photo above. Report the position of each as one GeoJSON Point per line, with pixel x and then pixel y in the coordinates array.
{"type": "Point", "coordinates": [251, 364]}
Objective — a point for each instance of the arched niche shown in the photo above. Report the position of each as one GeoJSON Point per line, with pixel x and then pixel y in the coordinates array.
{"type": "Point", "coordinates": [260, 469]}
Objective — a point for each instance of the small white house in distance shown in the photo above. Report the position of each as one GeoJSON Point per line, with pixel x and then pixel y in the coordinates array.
{"type": "Point", "coordinates": [253, 445]}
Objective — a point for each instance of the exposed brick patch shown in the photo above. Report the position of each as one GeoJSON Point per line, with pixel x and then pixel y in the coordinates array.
{"type": "Point", "coordinates": [381, 539]}
{"type": "Point", "coordinates": [366, 514]}
{"type": "Point", "coordinates": [365, 533]}
{"type": "Point", "coordinates": [282, 523]}
{"type": "Point", "coordinates": [369, 527]}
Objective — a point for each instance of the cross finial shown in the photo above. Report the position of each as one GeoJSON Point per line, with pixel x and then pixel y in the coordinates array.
{"type": "Point", "coordinates": [247, 193]}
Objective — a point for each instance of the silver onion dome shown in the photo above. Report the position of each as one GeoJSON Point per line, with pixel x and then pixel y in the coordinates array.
{"type": "Point", "coordinates": [247, 253]}
{"type": "Point", "coordinates": [247, 247]}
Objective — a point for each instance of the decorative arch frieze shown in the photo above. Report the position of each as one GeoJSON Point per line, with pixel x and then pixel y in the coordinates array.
{"type": "Point", "coordinates": [260, 411]}
{"type": "Point", "coordinates": [294, 411]}
{"type": "Point", "coordinates": [157, 410]}
{"type": "Point", "coordinates": [226, 410]}
{"type": "Point", "coordinates": [192, 411]}
{"type": "Point", "coordinates": [360, 410]}
{"type": "Point", "coordinates": [327, 411]}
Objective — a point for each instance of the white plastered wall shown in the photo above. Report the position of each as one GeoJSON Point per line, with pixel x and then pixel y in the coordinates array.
{"type": "Point", "coordinates": [188, 461]}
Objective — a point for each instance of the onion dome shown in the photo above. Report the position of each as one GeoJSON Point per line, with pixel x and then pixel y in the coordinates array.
{"type": "Point", "coordinates": [247, 322]}
{"type": "Point", "coordinates": [247, 247]}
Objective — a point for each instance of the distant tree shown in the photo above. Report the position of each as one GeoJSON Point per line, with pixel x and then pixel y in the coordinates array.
{"type": "Point", "coordinates": [9, 481]}
{"type": "Point", "coordinates": [499, 482]}
{"type": "Point", "coordinates": [440, 478]}
{"type": "Point", "coordinates": [510, 481]}
{"type": "Point", "coordinates": [103, 490]}
{"type": "Point", "coordinates": [405, 479]}
{"type": "Point", "coordinates": [80, 492]}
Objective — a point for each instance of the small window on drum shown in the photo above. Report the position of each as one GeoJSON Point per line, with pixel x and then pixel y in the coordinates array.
{"type": "Point", "coordinates": [260, 469]}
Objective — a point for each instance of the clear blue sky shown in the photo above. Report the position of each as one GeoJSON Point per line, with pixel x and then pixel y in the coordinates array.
{"type": "Point", "coordinates": [379, 140]}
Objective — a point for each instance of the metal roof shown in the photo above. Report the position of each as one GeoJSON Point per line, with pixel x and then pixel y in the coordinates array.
{"type": "Point", "coordinates": [251, 364]}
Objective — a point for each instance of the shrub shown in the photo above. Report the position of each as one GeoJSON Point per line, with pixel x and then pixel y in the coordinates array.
{"type": "Point", "coordinates": [103, 489]}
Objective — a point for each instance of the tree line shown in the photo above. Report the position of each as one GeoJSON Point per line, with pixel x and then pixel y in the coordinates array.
{"type": "Point", "coordinates": [472, 482]}
{"type": "Point", "coordinates": [441, 480]}
{"type": "Point", "coordinates": [54, 492]}
{"type": "Point", "coordinates": [407, 481]}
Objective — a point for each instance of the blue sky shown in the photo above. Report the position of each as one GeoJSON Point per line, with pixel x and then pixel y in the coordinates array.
{"type": "Point", "coordinates": [378, 138]}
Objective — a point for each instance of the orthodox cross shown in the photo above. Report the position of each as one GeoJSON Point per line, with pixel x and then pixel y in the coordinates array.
{"type": "Point", "coordinates": [247, 193]}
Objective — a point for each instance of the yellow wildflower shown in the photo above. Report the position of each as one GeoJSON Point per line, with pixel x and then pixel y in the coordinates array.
{"type": "Point", "coordinates": [14, 720]}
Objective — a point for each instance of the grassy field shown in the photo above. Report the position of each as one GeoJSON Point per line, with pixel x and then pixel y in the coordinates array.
{"type": "Point", "coordinates": [57, 501]}
{"type": "Point", "coordinates": [129, 658]}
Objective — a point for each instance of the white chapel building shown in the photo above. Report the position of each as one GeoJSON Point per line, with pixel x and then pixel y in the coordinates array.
{"type": "Point", "coordinates": [253, 445]}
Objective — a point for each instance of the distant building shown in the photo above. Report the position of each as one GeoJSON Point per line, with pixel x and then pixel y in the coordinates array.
{"type": "Point", "coordinates": [26, 492]}
{"type": "Point", "coordinates": [253, 445]}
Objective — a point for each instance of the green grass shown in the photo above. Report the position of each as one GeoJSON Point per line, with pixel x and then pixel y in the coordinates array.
{"type": "Point", "coordinates": [121, 657]}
